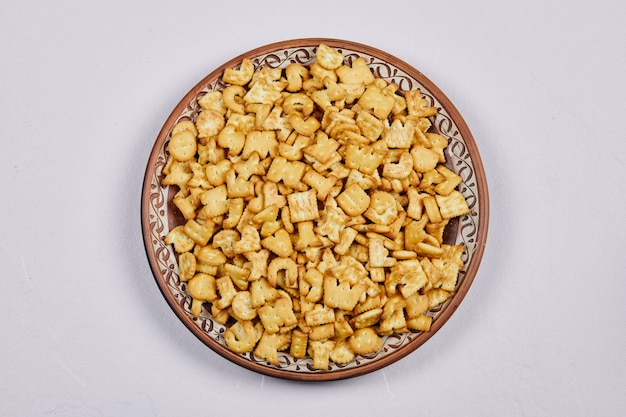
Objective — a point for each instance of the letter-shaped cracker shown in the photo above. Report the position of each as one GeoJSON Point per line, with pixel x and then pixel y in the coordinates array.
{"type": "Point", "coordinates": [365, 341]}
{"type": "Point", "coordinates": [287, 280]}
{"type": "Point", "coordinates": [209, 123]}
{"type": "Point", "coordinates": [242, 337]}
{"type": "Point", "coordinates": [250, 241]}
{"type": "Point", "coordinates": [240, 76]}
{"type": "Point", "coordinates": [279, 243]}
{"type": "Point", "coordinates": [311, 286]}
{"type": "Point", "coordinates": [452, 205]}
{"type": "Point", "coordinates": [180, 240]}
{"type": "Point", "coordinates": [213, 100]}
{"type": "Point", "coordinates": [187, 266]}
{"type": "Point", "coordinates": [383, 209]}
{"type": "Point", "coordinates": [277, 315]}
{"type": "Point", "coordinates": [341, 295]}
{"type": "Point", "coordinates": [299, 340]}
{"type": "Point", "coordinates": [358, 73]}
{"type": "Point", "coordinates": [215, 201]}
{"type": "Point", "coordinates": [332, 221]}
{"type": "Point", "coordinates": [303, 206]}
{"type": "Point", "coordinates": [342, 353]}
{"type": "Point", "coordinates": [270, 344]}
{"type": "Point", "coordinates": [320, 314]}
{"type": "Point", "coordinates": [328, 57]}
{"type": "Point", "coordinates": [201, 287]}
{"type": "Point", "coordinates": [261, 292]}
{"type": "Point", "coordinates": [290, 173]}
{"type": "Point", "coordinates": [364, 158]}
{"type": "Point", "coordinates": [264, 143]}
{"type": "Point", "coordinates": [320, 351]}
{"type": "Point", "coordinates": [353, 200]}
{"type": "Point", "coordinates": [296, 74]}
{"type": "Point", "coordinates": [409, 276]}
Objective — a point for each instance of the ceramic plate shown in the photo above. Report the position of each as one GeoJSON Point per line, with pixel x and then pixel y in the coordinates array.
{"type": "Point", "coordinates": [159, 215]}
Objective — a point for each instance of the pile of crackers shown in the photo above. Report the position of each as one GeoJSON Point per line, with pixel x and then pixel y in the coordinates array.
{"type": "Point", "coordinates": [316, 199]}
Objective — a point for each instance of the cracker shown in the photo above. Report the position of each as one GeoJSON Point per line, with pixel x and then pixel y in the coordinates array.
{"type": "Point", "coordinates": [303, 206]}
{"type": "Point", "coordinates": [242, 337]}
{"type": "Point", "coordinates": [353, 200]}
{"type": "Point", "coordinates": [365, 341]}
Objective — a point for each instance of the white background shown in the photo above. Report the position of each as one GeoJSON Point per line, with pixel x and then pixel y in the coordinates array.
{"type": "Point", "coordinates": [85, 88]}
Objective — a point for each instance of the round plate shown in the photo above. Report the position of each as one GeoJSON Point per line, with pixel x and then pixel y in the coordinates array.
{"type": "Point", "coordinates": [159, 215]}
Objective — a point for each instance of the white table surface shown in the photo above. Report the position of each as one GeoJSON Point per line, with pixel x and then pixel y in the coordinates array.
{"type": "Point", "coordinates": [86, 86]}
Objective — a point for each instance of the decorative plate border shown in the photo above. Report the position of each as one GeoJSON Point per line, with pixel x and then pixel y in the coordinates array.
{"type": "Point", "coordinates": [159, 215]}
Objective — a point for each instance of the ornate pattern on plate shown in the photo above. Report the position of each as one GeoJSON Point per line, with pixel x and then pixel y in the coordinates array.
{"type": "Point", "coordinates": [459, 159]}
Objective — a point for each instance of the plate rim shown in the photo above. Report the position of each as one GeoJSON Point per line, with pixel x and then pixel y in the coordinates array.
{"type": "Point", "coordinates": [459, 294]}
